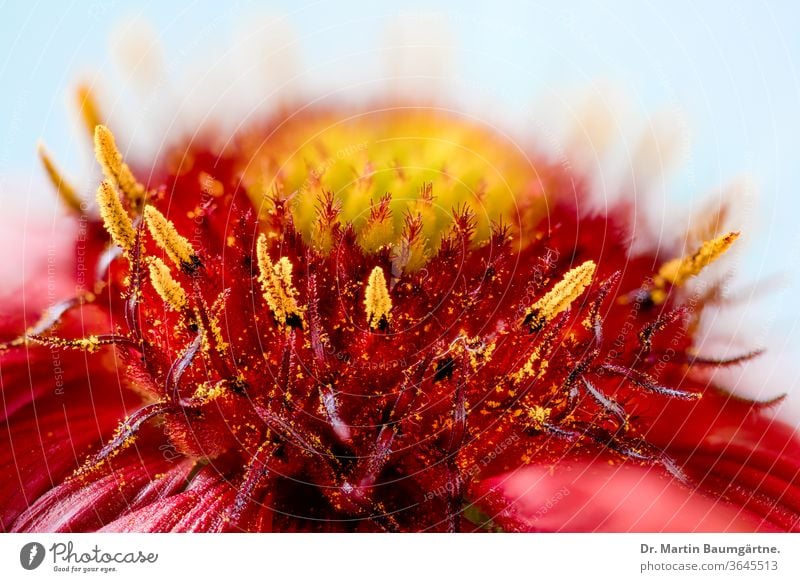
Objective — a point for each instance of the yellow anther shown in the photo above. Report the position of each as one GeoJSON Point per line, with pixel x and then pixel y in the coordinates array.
{"type": "Point", "coordinates": [165, 234]}
{"type": "Point", "coordinates": [279, 292]}
{"type": "Point", "coordinates": [115, 218]}
{"type": "Point", "coordinates": [167, 288]}
{"type": "Point", "coordinates": [117, 171]}
{"type": "Point", "coordinates": [561, 296]}
{"type": "Point", "coordinates": [87, 104]}
{"type": "Point", "coordinates": [678, 271]}
{"type": "Point", "coordinates": [376, 300]}
{"type": "Point", "coordinates": [65, 191]}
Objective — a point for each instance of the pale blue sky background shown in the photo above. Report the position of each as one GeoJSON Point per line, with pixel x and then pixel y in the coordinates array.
{"type": "Point", "coordinates": [733, 72]}
{"type": "Point", "coordinates": [733, 69]}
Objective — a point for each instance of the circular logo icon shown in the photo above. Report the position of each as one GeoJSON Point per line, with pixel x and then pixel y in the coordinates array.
{"type": "Point", "coordinates": [31, 555]}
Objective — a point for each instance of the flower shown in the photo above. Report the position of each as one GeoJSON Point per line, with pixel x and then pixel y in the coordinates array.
{"type": "Point", "coordinates": [375, 319]}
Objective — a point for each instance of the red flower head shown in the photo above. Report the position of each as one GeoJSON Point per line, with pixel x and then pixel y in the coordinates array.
{"type": "Point", "coordinates": [382, 319]}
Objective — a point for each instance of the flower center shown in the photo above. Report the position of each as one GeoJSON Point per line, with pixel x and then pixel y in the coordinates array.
{"type": "Point", "coordinates": [361, 157]}
{"type": "Point", "coordinates": [355, 312]}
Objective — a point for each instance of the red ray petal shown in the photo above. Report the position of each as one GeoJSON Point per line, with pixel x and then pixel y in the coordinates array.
{"type": "Point", "coordinates": [587, 497]}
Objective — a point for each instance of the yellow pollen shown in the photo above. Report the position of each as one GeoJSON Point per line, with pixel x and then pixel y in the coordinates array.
{"type": "Point", "coordinates": [65, 191]}
{"type": "Point", "coordinates": [87, 104]}
{"type": "Point", "coordinates": [561, 296]}
{"type": "Point", "coordinates": [678, 271]}
{"type": "Point", "coordinates": [167, 288]}
{"type": "Point", "coordinates": [476, 349]}
{"type": "Point", "coordinates": [538, 416]}
{"type": "Point", "coordinates": [377, 300]}
{"type": "Point", "coordinates": [216, 331]}
{"type": "Point", "coordinates": [115, 218]}
{"type": "Point", "coordinates": [207, 392]}
{"type": "Point", "coordinates": [276, 280]}
{"type": "Point", "coordinates": [117, 171]}
{"type": "Point", "coordinates": [165, 234]}
{"type": "Point", "coordinates": [530, 368]}
{"type": "Point", "coordinates": [89, 344]}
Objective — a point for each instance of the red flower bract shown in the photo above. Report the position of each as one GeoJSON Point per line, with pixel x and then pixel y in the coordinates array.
{"type": "Point", "coordinates": [293, 358]}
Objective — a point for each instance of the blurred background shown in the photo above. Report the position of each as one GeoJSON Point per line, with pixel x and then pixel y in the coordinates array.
{"type": "Point", "coordinates": [716, 84]}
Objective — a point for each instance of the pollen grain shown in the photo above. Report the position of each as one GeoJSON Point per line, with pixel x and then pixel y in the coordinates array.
{"type": "Point", "coordinates": [167, 237]}
{"type": "Point", "coordinates": [279, 291]}
{"type": "Point", "coordinates": [376, 300]}
{"type": "Point", "coordinates": [561, 296]}
{"type": "Point", "coordinates": [63, 188]}
{"type": "Point", "coordinates": [167, 288]}
{"type": "Point", "coordinates": [678, 271]}
{"type": "Point", "coordinates": [115, 169]}
{"type": "Point", "coordinates": [115, 218]}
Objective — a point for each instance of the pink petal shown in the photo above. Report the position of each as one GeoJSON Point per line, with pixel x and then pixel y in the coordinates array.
{"type": "Point", "coordinates": [39, 451]}
{"type": "Point", "coordinates": [197, 509]}
{"type": "Point", "coordinates": [89, 502]}
{"type": "Point", "coordinates": [575, 496]}
{"type": "Point", "coordinates": [165, 511]}
{"type": "Point", "coordinates": [730, 448]}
